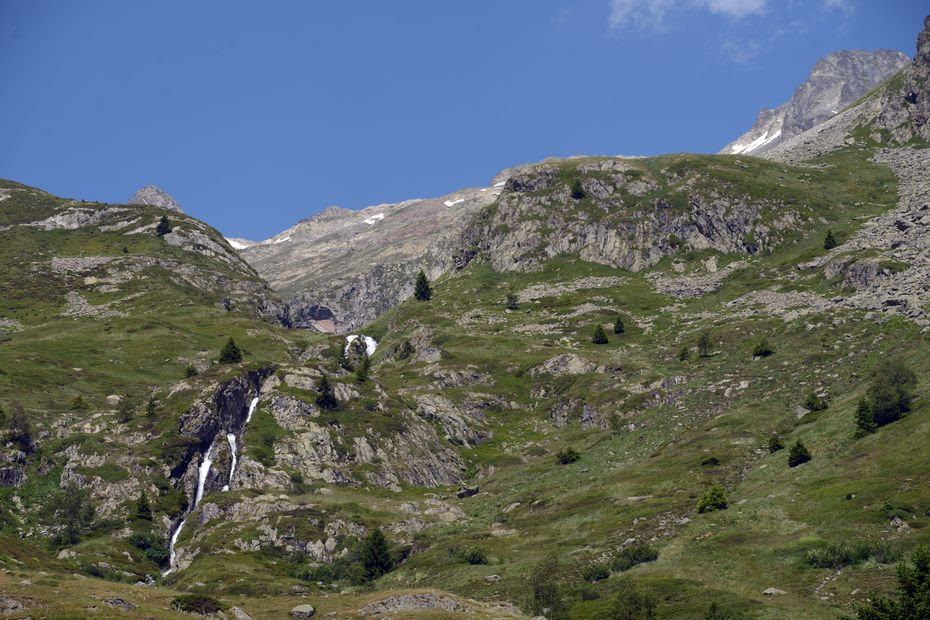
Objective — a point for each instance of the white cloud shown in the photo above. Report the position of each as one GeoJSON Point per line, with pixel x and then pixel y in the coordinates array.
{"type": "Point", "coordinates": [651, 13]}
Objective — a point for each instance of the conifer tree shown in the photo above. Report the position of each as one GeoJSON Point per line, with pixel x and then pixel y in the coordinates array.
{"type": "Point", "coordinates": [364, 368]}
{"type": "Point", "coordinates": [164, 226]}
{"type": "Point", "coordinates": [798, 454]}
{"type": "Point", "coordinates": [619, 328]}
{"type": "Point", "coordinates": [422, 290]}
{"type": "Point", "coordinates": [375, 555]}
{"type": "Point", "coordinates": [599, 336]}
{"type": "Point", "coordinates": [231, 353]}
{"type": "Point", "coordinates": [704, 345]}
{"type": "Point", "coordinates": [865, 419]}
{"type": "Point", "coordinates": [326, 396]}
{"type": "Point", "coordinates": [829, 242]}
{"type": "Point", "coordinates": [511, 302]}
{"type": "Point", "coordinates": [143, 508]}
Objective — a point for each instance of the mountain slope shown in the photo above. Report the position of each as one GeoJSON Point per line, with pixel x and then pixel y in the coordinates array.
{"type": "Point", "coordinates": [836, 81]}
{"type": "Point", "coordinates": [341, 269]}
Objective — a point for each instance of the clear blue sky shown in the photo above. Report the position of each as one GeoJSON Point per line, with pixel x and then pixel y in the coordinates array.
{"type": "Point", "coordinates": [254, 115]}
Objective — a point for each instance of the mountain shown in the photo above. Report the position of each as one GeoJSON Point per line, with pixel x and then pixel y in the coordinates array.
{"type": "Point", "coordinates": [836, 81]}
{"type": "Point", "coordinates": [651, 382]}
{"type": "Point", "coordinates": [341, 269]}
{"type": "Point", "coordinates": [154, 196]}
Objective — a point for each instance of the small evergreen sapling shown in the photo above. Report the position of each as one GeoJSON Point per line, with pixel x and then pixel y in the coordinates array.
{"type": "Point", "coordinates": [231, 353]}
{"type": "Point", "coordinates": [511, 302]}
{"type": "Point", "coordinates": [599, 336]}
{"type": "Point", "coordinates": [704, 345]}
{"type": "Point", "coordinates": [829, 241]}
{"type": "Point", "coordinates": [363, 370]}
{"type": "Point", "coordinates": [326, 396]}
{"type": "Point", "coordinates": [164, 226]}
{"type": "Point", "coordinates": [618, 326]}
{"type": "Point", "coordinates": [714, 499]}
{"type": "Point", "coordinates": [375, 555]}
{"type": "Point", "coordinates": [865, 421]}
{"type": "Point", "coordinates": [775, 444]}
{"type": "Point", "coordinates": [143, 508]}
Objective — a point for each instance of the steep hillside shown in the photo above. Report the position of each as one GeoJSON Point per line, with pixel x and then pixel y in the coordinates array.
{"type": "Point", "coordinates": [341, 269]}
{"type": "Point", "coordinates": [836, 81]}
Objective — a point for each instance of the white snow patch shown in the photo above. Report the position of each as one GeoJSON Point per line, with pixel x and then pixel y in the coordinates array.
{"type": "Point", "coordinates": [834, 112]}
{"type": "Point", "coordinates": [738, 149]}
{"type": "Point", "coordinates": [282, 240]}
{"type": "Point", "coordinates": [374, 218]}
{"type": "Point", "coordinates": [237, 244]}
{"type": "Point", "coordinates": [371, 345]}
{"type": "Point", "coordinates": [452, 203]}
{"type": "Point", "coordinates": [501, 184]}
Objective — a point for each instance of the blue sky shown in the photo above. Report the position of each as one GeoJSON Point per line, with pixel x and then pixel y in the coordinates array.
{"type": "Point", "coordinates": [254, 115]}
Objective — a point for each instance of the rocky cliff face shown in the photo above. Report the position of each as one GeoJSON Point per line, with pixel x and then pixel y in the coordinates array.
{"type": "Point", "coordinates": [835, 82]}
{"type": "Point", "coordinates": [341, 269]}
{"type": "Point", "coordinates": [154, 196]}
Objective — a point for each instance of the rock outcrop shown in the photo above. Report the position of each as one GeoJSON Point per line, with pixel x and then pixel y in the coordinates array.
{"type": "Point", "coordinates": [835, 82]}
{"type": "Point", "coordinates": [154, 196]}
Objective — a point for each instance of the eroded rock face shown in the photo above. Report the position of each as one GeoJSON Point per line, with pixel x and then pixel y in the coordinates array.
{"type": "Point", "coordinates": [154, 196]}
{"type": "Point", "coordinates": [905, 110]}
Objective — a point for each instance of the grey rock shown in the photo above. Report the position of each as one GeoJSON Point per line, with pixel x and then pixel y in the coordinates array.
{"type": "Point", "coordinates": [303, 611]}
{"type": "Point", "coordinates": [154, 196]}
{"type": "Point", "coordinates": [239, 613]}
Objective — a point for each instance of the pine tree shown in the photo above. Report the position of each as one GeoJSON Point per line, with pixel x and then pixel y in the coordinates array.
{"type": "Point", "coordinates": [704, 345]}
{"type": "Point", "coordinates": [231, 353]}
{"type": "Point", "coordinates": [865, 419]}
{"type": "Point", "coordinates": [422, 290]}
{"type": "Point", "coordinates": [124, 413]}
{"type": "Point", "coordinates": [578, 192]}
{"type": "Point", "coordinates": [20, 429]}
{"type": "Point", "coordinates": [798, 454]}
{"type": "Point", "coordinates": [326, 396]}
{"type": "Point", "coordinates": [511, 302]}
{"type": "Point", "coordinates": [829, 242]}
{"type": "Point", "coordinates": [151, 408]}
{"type": "Point", "coordinates": [684, 355]}
{"type": "Point", "coordinates": [775, 443]}
{"type": "Point", "coordinates": [913, 600]}
{"type": "Point", "coordinates": [143, 508]}
{"type": "Point", "coordinates": [164, 226]}
{"type": "Point", "coordinates": [375, 555]}
{"type": "Point", "coordinates": [599, 337]}
{"type": "Point", "coordinates": [619, 328]}
{"type": "Point", "coordinates": [364, 367]}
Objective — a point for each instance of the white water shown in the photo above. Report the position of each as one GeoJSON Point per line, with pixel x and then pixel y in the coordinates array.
{"type": "Point", "coordinates": [202, 473]}
{"type": "Point", "coordinates": [371, 345]}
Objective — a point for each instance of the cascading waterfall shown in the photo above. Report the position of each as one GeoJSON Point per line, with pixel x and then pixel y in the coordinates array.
{"type": "Point", "coordinates": [231, 439]}
{"type": "Point", "coordinates": [203, 471]}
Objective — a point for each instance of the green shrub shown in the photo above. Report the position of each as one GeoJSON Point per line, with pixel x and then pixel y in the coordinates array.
{"type": "Point", "coordinates": [164, 226]}
{"type": "Point", "coordinates": [231, 353]}
{"type": "Point", "coordinates": [19, 429]}
{"type": "Point", "coordinates": [632, 604]}
{"type": "Point", "coordinates": [775, 444]}
{"type": "Point", "coordinates": [566, 456]}
{"type": "Point", "coordinates": [363, 370]}
{"type": "Point", "coordinates": [595, 572]}
{"type": "Point", "coordinates": [190, 371]}
{"type": "Point", "coordinates": [78, 404]}
{"type": "Point", "coordinates": [599, 336]}
{"type": "Point", "coordinates": [143, 508]}
{"type": "Point", "coordinates": [634, 555]}
{"type": "Point", "coordinates": [468, 555]}
{"type": "Point", "coordinates": [578, 192]}
{"type": "Point", "coordinates": [913, 600]}
{"type": "Point", "coordinates": [72, 511]}
{"type": "Point", "coordinates": [704, 345]}
{"type": "Point", "coordinates": [154, 547]}
{"type": "Point", "coordinates": [684, 355]}
{"type": "Point", "coordinates": [891, 392]}
{"type": "Point", "coordinates": [714, 499]}
{"type": "Point", "coordinates": [197, 604]}
{"type": "Point", "coordinates": [839, 555]}
{"type": "Point", "coordinates": [405, 351]}
{"type": "Point", "coordinates": [511, 302]}
{"type": "Point", "coordinates": [710, 461]}
{"type": "Point", "coordinates": [798, 455]}
{"type": "Point", "coordinates": [546, 592]}
{"type": "Point", "coordinates": [762, 349]}
{"type": "Point", "coordinates": [815, 403]}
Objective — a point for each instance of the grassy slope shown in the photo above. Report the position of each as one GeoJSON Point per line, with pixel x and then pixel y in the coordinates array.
{"type": "Point", "coordinates": [640, 476]}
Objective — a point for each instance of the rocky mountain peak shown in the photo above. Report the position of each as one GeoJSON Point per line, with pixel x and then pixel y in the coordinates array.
{"type": "Point", "coordinates": [923, 44]}
{"type": "Point", "coordinates": [154, 196]}
{"type": "Point", "coordinates": [836, 81]}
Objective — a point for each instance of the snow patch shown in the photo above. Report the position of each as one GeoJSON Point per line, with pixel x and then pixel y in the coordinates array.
{"type": "Point", "coordinates": [371, 345]}
{"type": "Point", "coordinates": [501, 184]}
{"type": "Point", "coordinates": [282, 240]}
{"type": "Point", "coordinates": [739, 149]}
{"type": "Point", "coordinates": [238, 244]}
{"type": "Point", "coordinates": [452, 203]}
{"type": "Point", "coordinates": [374, 218]}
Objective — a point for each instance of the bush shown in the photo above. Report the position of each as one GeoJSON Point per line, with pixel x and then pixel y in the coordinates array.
{"type": "Point", "coordinates": [421, 288]}
{"type": "Point", "coordinates": [405, 351]}
{"type": "Point", "coordinates": [798, 454]}
{"type": "Point", "coordinates": [595, 572]}
{"type": "Point", "coordinates": [710, 461]}
{"type": "Point", "coordinates": [815, 403]}
{"type": "Point", "coordinates": [20, 431]}
{"type": "Point", "coordinates": [634, 555]}
{"type": "Point", "coordinates": [79, 404]}
{"type": "Point", "coordinates": [632, 604]}
{"type": "Point", "coordinates": [891, 392]}
{"type": "Point", "coordinates": [326, 396]}
{"type": "Point", "coordinates": [684, 355]}
{"type": "Point", "coordinates": [762, 349]}
{"type": "Point", "coordinates": [231, 353]}
{"type": "Point", "coordinates": [196, 604]}
{"type": "Point", "coordinates": [775, 444]}
{"type": "Point", "coordinates": [153, 546]}
{"type": "Point", "coordinates": [511, 302]}
{"type": "Point", "coordinates": [829, 241]}
{"type": "Point", "coordinates": [468, 555]}
{"type": "Point", "coordinates": [545, 589]}
{"type": "Point", "coordinates": [714, 499]}
{"type": "Point", "coordinates": [190, 371]}
{"type": "Point", "coordinates": [72, 511]}
{"type": "Point", "coordinates": [578, 192]}
{"type": "Point", "coordinates": [599, 336]}
{"type": "Point", "coordinates": [566, 456]}
{"type": "Point", "coordinates": [913, 600]}
{"type": "Point", "coordinates": [363, 370]}
{"type": "Point", "coordinates": [164, 226]}
{"type": "Point", "coordinates": [838, 555]}
{"type": "Point", "coordinates": [704, 345]}
{"type": "Point", "coordinates": [619, 327]}
{"type": "Point", "coordinates": [124, 413]}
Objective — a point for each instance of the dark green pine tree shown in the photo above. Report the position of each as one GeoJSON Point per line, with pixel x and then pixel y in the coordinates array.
{"type": "Point", "coordinates": [231, 353]}
{"type": "Point", "coordinates": [599, 336]}
{"type": "Point", "coordinates": [326, 396]}
{"type": "Point", "coordinates": [363, 370]}
{"type": "Point", "coordinates": [511, 303]}
{"type": "Point", "coordinates": [143, 508]}
{"type": "Point", "coordinates": [829, 241]}
{"type": "Point", "coordinates": [865, 419]}
{"type": "Point", "coordinates": [164, 226]}
{"type": "Point", "coordinates": [704, 345]}
{"type": "Point", "coordinates": [375, 555]}
{"type": "Point", "coordinates": [618, 326]}
{"type": "Point", "coordinates": [151, 408]}
{"type": "Point", "coordinates": [422, 290]}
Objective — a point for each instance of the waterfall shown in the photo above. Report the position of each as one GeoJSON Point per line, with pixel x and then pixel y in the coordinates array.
{"type": "Point", "coordinates": [203, 471]}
